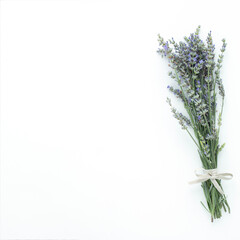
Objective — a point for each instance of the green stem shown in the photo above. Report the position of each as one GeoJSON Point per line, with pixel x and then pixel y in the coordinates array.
{"type": "Point", "coordinates": [193, 139]}
{"type": "Point", "coordinates": [209, 102]}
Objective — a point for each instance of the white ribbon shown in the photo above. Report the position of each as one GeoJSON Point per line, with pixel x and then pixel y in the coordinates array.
{"type": "Point", "coordinates": [212, 174]}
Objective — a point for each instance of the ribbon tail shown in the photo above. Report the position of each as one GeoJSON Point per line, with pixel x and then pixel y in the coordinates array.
{"type": "Point", "coordinates": [216, 185]}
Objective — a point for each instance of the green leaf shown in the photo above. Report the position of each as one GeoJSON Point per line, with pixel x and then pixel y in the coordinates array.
{"type": "Point", "coordinates": [204, 206]}
{"type": "Point", "coordinates": [221, 148]}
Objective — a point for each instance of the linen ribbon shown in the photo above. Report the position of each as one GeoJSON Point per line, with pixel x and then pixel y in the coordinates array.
{"type": "Point", "coordinates": [212, 175]}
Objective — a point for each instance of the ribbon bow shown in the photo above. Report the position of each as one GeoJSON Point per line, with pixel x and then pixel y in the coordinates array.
{"type": "Point", "coordinates": [212, 174]}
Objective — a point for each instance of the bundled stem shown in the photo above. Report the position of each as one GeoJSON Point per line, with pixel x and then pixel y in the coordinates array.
{"type": "Point", "coordinates": [197, 74]}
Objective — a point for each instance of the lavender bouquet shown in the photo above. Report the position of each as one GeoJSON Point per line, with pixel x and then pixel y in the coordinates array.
{"type": "Point", "coordinates": [199, 86]}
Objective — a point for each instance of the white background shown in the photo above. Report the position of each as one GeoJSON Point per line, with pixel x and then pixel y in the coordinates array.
{"type": "Point", "coordinates": [89, 147]}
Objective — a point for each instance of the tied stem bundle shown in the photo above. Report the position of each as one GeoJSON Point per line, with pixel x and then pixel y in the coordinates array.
{"type": "Point", "coordinates": [199, 87]}
{"type": "Point", "coordinates": [213, 175]}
